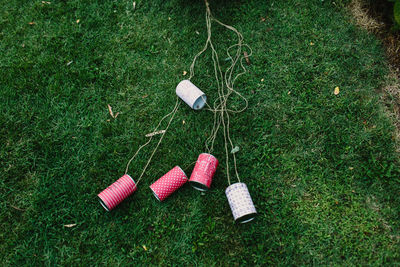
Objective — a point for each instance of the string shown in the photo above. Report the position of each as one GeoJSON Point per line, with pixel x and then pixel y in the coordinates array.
{"type": "Point", "coordinates": [225, 88]}
{"type": "Point", "coordinates": [172, 114]}
{"type": "Point", "coordinates": [187, 166]}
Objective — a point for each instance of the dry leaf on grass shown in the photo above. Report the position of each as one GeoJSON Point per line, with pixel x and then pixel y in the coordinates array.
{"type": "Point", "coordinates": [184, 72]}
{"type": "Point", "coordinates": [31, 23]}
{"type": "Point", "coordinates": [155, 133]}
{"type": "Point", "coordinates": [337, 90]}
{"type": "Point", "coordinates": [14, 207]}
{"type": "Point", "coordinates": [235, 150]}
{"type": "Point", "coordinates": [70, 225]}
{"type": "Point", "coordinates": [246, 57]}
{"type": "Point", "coordinates": [110, 110]}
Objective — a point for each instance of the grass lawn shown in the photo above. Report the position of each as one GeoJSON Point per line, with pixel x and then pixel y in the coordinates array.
{"type": "Point", "coordinates": [321, 167]}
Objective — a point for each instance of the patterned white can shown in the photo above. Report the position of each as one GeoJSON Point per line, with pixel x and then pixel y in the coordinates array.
{"type": "Point", "coordinates": [239, 199]}
{"type": "Point", "coordinates": [191, 94]}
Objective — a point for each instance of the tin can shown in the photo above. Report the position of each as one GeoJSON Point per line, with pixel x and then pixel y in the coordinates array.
{"type": "Point", "coordinates": [169, 183]}
{"type": "Point", "coordinates": [191, 94]}
{"type": "Point", "coordinates": [114, 194]}
{"type": "Point", "coordinates": [203, 172]}
{"type": "Point", "coordinates": [241, 204]}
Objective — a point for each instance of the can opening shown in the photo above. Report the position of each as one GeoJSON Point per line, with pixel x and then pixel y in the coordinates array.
{"type": "Point", "coordinates": [199, 186]}
{"type": "Point", "coordinates": [200, 102]}
{"type": "Point", "coordinates": [246, 218]}
{"type": "Point", "coordinates": [103, 204]}
{"type": "Point", "coordinates": [154, 193]}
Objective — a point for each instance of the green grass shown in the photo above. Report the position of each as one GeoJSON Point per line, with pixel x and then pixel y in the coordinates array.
{"type": "Point", "coordinates": [321, 168]}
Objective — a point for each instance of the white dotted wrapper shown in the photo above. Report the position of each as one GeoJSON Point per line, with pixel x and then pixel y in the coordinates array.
{"type": "Point", "coordinates": [191, 94]}
{"type": "Point", "coordinates": [241, 204]}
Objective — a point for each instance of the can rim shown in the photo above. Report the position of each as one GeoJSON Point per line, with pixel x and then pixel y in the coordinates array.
{"type": "Point", "coordinates": [199, 186]}
{"type": "Point", "coordinates": [154, 193]}
{"type": "Point", "coordinates": [103, 204]}
{"type": "Point", "coordinates": [246, 218]}
{"type": "Point", "coordinates": [200, 102]}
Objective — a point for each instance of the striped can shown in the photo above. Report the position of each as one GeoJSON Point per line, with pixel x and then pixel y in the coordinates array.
{"type": "Point", "coordinates": [114, 194]}
{"type": "Point", "coordinates": [169, 183]}
{"type": "Point", "coordinates": [203, 172]}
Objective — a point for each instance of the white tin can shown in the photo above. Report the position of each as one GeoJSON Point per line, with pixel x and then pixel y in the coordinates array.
{"type": "Point", "coordinates": [191, 94]}
{"type": "Point", "coordinates": [242, 206]}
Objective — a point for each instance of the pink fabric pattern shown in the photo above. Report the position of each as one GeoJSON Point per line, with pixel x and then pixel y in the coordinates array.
{"type": "Point", "coordinates": [117, 192]}
{"type": "Point", "coordinates": [169, 183]}
{"type": "Point", "coordinates": [204, 169]}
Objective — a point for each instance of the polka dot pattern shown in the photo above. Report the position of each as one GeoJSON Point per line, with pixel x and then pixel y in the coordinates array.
{"type": "Point", "coordinates": [240, 200]}
{"type": "Point", "coordinates": [204, 169]}
{"type": "Point", "coordinates": [117, 192]}
{"type": "Point", "coordinates": [169, 183]}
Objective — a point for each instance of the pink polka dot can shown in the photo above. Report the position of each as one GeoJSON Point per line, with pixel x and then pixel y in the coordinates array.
{"type": "Point", "coordinates": [169, 183]}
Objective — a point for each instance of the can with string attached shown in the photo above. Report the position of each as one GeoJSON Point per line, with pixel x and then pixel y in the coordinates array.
{"type": "Point", "coordinates": [169, 183]}
{"type": "Point", "coordinates": [114, 194]}
{"type": "Point", "coordinates": [191, 94]}
{"type": "Point", "coordinates": [203, 172]}
{"type": "Point", "coordinates": [241, 204]}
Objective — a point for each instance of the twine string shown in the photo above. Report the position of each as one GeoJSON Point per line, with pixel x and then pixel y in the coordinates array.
{"type": "Point", "coordinates": [172, 114]}
{"type": "Point", "coordinates": [225, 88]}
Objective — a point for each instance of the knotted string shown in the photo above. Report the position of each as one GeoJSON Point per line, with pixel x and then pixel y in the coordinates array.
{"type": "Point", "coordinates": [225, 88]}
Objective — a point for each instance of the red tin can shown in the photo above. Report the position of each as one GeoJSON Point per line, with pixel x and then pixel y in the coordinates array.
{"type": "Point", "coordinates": [203, 172]}
{"type": "Point", "coordinates": [114, 194]}
{"type": "Point", "coordinates": [169, 183]}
